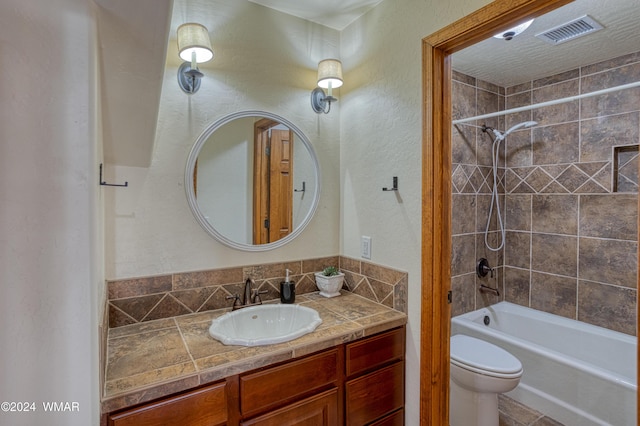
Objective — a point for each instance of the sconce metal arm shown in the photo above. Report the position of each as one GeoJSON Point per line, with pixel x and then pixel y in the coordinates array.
{"type": "Point", "coordinates": [320, 102]}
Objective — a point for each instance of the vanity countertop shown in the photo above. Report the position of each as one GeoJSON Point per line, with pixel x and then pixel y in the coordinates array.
{"type": "Point", "coordinates": [153, 359]}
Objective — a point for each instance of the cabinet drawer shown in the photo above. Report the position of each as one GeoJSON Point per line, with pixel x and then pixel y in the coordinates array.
{"type": "Point", "coordinates": [375, 351]}
{"type": "Point", "coordinates": [278, 385]}
{"type": "Point", "coordinates": [374, 395]}
{"type": "Point", "coordinates": [202, 407]}
{"type": "Point", "coordinates": [393, 419]}
{"type": "Point", "coordinates": [321, 409]}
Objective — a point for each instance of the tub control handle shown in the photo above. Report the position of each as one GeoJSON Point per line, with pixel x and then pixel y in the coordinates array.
{"type": "Point", "coordinates": [483, 268]}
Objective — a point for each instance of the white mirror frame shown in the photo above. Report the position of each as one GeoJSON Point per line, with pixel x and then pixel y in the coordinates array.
{"type": "Point", "coordinates": [191, 196]}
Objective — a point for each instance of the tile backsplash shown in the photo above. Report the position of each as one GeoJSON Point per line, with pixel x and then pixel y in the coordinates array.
{"type": "Point", "coordinates": [148, 298]}
{"type": "Point", "coordinates": [568, 195]}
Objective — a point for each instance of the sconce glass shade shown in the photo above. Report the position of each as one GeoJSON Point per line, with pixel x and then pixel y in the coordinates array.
{"type": "Point", "coordinates": [330, 71]}
{"type": "Point", "coordinates": [194, 37]}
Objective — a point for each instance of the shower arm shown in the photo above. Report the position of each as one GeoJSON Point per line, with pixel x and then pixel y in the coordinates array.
{"type": "Point", "coordinates": [501, 136]}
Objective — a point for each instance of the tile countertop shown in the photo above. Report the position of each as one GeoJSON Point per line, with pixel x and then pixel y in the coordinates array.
{"type": "Point", "coordinates": [153, 359]}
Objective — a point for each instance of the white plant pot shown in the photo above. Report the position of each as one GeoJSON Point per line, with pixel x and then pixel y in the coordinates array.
{"type": "Point", "coordinates": [329, 286]}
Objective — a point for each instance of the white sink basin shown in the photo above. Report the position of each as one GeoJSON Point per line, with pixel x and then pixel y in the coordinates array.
{"type": "Point", "coordinates": [264, 325]}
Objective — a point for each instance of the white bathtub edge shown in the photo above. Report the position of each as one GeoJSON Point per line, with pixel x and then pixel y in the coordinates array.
{"type": "Point", "coordinates": [557, 409]}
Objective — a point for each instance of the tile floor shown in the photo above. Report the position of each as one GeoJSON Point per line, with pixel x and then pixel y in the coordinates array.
{"type": "Point", "coordinates": [513, 413]}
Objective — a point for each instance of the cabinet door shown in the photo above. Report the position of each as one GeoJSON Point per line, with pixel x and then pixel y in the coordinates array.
{"type": "Point", "coordinates": [202, 407]}
{"type": "Point", "coordinates": [318, 410]}
{"type": "Point", "coordinates": [374, 395]}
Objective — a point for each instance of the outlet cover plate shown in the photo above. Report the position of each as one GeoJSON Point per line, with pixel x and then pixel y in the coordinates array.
{"type": "Point", "coordinates": [365, 247]}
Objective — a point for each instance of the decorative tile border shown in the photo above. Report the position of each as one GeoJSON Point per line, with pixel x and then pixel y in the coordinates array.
{"type": "Point", "coordinates": [574, 178]}
{"type": "Point", "coordinates": [143, 299]}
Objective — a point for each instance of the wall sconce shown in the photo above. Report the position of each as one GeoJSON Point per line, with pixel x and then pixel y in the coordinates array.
{"type": "Point", "coordinates": [329, 77]}
{"type": "Point", "coordinates": [194, 47]}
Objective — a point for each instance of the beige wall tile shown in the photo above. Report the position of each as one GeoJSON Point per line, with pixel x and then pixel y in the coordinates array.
{"type": "Point", "coordinates": [599, 135]}
{"type": "Point", "coordinates": [518, 212]}
{"type": "Point", "coordinates": [554, 294]}
{"type": "Point", "coordinates": [517, 283]}
{"type": "Point", "coordinates": [464, 254]}
{"type": "Point", "coordinates": [518, 252]}
{"type": "Point", "coordinates": [555, 254]}
{"type": "Point", "coordinates": [609, 216]}
{"type": "Point", "coordinates": [556, 144]}
{"type": "Point", "coordinates": [607, 306]}
{"type": "Point", "coordinates": [463, 214]}
{"type": "Point", "coordinates": [138, 286]}
{"type": "Point", "coordinates": [609, 261]}
{"type": "Point", "coordinates": [463, 293]}
{"type": "Point", "coordinates": [555, 214]}
{"type": "Point", "coordinates": [557, 78]}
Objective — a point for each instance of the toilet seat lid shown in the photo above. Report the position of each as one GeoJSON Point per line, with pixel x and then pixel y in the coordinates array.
{"type": "Point", "coordinates": [483, 357]}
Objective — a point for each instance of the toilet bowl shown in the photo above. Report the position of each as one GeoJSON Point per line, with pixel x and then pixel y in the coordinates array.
{"type": "Point", "coordinates": [479, 372]}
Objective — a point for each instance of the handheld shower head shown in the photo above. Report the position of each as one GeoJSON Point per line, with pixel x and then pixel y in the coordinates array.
{"type": "Point", "coordinates": [520, 126]}
{"type": "Point", "coordinates": [495, 149]}
{"type": "Point", "coordinates": [500, 136]}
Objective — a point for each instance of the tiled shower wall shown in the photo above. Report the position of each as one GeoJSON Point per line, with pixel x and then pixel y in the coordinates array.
{"type": "Point", "coordinates": [149, 298]}
{"type": "Point", "coordinates": [568, 194]}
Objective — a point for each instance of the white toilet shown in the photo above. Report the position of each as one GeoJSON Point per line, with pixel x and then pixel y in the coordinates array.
{"type": "Point", "coordinates": [479, 372]}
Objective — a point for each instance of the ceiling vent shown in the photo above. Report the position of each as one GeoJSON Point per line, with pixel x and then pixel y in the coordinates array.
{"type": "Point", "coordinates": [570, 30]}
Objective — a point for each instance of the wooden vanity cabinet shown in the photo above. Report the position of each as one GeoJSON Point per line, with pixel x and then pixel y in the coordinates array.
{"type": "Point", "coordinates": [357, 383]}
{"type": "Point", "coordinates": [374, 387]}
{"type": "Point", "coordinates": [321, 409]}
{"type": "Point", "coordinates": [394, 419]}
{"type": "Point", "coordinates": [206, 406]}
{"type": "Point", "coordinates": [276, 386]}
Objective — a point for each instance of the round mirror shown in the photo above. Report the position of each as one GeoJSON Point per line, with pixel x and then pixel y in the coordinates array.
{"type": "Point", "coordinates": [253, 180]}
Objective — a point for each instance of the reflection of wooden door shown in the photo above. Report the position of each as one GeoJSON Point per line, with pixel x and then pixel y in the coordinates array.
{"type": "Point", "coordinates": [273, 183]}
{"type": "Point", "coordinates": [280, 184]}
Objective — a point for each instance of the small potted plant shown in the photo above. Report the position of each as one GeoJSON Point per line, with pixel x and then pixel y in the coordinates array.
{"type": "Point", "coordinates": [329, 281]}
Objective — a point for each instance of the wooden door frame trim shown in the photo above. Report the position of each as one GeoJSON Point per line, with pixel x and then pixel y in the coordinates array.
{"type": "Point", "coordinates": [436, 188]}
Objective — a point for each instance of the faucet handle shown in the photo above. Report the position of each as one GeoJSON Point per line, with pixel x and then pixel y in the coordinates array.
{"type": "Point", "coordinates": [255, 295]}
{"type": "Point", "coordinates": [483, 268]}
{"type": "Point", "coordinates": [236, 300]}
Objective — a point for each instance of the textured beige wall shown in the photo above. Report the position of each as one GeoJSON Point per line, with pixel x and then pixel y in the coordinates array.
{"type": "Point", "coordinates": [372, 134]}
{"type": "Point", "coordinates": [50, 238]}
{"type": "Point", "coordinates": [380, 137]}
{"type": "Point", "coordinates": [150, 229]}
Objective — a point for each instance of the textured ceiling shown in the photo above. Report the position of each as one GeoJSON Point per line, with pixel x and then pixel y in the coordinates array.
{"type": "Point", "coordinates": [335, 14]}
{"type": "Point", "coordinates": [526, 58]}
{"type": "Point", "coordinates": [522, 59]}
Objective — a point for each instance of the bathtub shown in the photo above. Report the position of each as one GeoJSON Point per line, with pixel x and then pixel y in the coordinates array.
{"type": "Point", "coordinates": [577, 373]}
